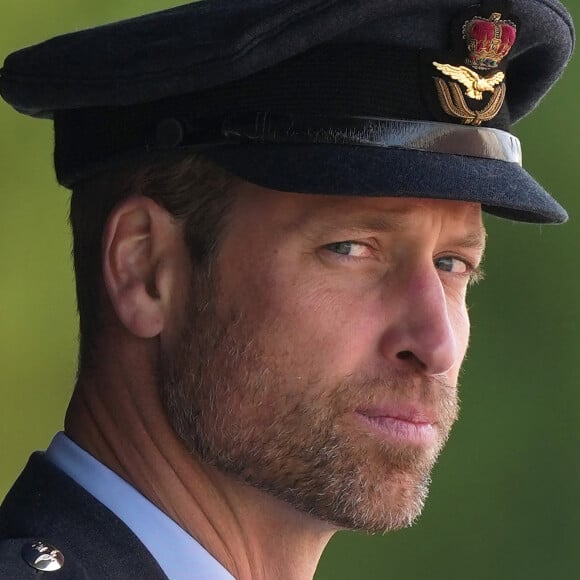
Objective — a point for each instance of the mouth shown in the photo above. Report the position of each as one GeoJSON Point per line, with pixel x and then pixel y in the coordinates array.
{"type": "Point", "coordinates": [405, 426]}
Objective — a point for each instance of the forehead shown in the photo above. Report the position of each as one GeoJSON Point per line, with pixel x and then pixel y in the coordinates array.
{"type": "Point", "coordinates": [267, 209]}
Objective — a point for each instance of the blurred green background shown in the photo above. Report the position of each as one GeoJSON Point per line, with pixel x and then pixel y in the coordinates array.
{"type": "Point", "coordinates": [504, 501]}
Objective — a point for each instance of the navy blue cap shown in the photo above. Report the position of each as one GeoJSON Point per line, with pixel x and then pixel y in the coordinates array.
{"type": "Point", "coordinates": [348, 97]}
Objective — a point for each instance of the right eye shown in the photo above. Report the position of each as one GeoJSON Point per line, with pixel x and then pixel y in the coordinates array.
{"type": "Point", "coordinates": [349, 249]}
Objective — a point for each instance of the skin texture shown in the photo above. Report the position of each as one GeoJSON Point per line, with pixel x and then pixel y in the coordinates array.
{"type": "Point", "coordinates": [305, 385]}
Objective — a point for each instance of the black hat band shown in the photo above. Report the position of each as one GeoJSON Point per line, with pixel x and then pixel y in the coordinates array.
{"type": "Point", "coordinates": [273, 128]}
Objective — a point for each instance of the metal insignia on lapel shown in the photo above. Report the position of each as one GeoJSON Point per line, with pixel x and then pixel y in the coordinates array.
{"type": "Point", "coordinates": [488, 43]}
{"type": "Point", "coordinates": [42, 557]}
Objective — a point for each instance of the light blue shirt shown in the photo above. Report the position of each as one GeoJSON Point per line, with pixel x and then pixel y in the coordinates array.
{"type": "Point", "coordinates": [180, 556]}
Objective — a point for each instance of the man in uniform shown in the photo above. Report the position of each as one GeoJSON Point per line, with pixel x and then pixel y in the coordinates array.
{"type": "Point", "coordinates": [276, 214]}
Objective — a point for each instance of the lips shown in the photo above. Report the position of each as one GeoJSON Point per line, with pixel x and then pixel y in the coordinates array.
{"type": "Point", "coordinates": [409, 414]}
{"type": "Point", "coordinates": [406, 425]}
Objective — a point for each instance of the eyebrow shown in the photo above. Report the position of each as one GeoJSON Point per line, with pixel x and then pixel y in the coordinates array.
{"type": "Point", "coordinates": [392, 221]}
{"type": "Point", "coordinates": [365, 222]}
{"type": "Point", "coordinates": [473, 240]}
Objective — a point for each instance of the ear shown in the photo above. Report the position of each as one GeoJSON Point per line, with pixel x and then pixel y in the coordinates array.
{"type": "Point", "coordinates": [140, 243]}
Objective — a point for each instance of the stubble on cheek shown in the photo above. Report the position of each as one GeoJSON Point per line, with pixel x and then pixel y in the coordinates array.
{"type": "Point", "coordinates": [270, 419]}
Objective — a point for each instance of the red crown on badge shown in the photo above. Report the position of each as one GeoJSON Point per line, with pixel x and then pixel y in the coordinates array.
{"type": "Point", "coordinates": [488, 40]}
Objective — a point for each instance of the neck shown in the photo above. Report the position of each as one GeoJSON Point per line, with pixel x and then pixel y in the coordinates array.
{"type": "Point", "coordinates": [117, 416]}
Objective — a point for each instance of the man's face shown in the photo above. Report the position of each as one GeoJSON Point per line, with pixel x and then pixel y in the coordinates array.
{"type": "Point", "coordinates": [319, 361]}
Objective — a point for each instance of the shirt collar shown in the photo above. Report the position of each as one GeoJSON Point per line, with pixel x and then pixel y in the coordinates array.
{"type": "Point", "coordinates": [180, 556]}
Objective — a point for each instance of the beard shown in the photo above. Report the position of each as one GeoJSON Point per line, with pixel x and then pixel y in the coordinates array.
{"type": "Point", "coordinates": [262, 410]}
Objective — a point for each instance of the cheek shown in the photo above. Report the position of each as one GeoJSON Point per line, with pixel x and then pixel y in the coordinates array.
{"type": "Point", "coordinates": [302, 320]}
{"type": "Point", "coordinates": [330, 333]}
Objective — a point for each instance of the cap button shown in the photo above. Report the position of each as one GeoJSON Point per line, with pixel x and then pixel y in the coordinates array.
{"type": "Point", "coordinates": [169, 133]}
{"type": "Point", "coordinates": [43, 557]}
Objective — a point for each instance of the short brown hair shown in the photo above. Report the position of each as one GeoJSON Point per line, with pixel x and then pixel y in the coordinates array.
{"type": "Point", "coordinates": [192, 188]}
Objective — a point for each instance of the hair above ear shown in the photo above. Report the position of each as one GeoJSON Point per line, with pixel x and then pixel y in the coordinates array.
{"type": "Point", "coordinates": [193, 189]}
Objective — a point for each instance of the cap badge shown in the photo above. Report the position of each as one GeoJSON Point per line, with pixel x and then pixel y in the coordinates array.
{"type": "Point", "coordinates": [475, 84]}
{"type": "Point", "coordinates": [488, 42]}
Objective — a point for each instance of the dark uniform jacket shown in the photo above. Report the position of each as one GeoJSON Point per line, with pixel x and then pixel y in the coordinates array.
{"type": "Point", "coordinates": [46, 509]}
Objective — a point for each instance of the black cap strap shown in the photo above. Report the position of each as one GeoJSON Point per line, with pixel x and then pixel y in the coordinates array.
{"type": "Point", "coordinates": [428, 136]}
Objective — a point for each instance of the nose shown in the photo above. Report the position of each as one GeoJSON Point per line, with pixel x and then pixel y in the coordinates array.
{"type": "Point", "coordinates": [420, 335]}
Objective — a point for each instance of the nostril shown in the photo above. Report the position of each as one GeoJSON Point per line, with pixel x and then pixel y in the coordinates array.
{"type": "Point", "coordinates": [410, 357]}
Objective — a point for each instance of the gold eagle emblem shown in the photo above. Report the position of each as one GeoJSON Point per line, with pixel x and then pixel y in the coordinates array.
{"type": "Point", "coordinates": [475, 84]}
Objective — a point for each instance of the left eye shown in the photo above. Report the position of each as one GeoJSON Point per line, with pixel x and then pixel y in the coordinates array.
{"type": "Point", "coordinates": [452, 264]}
{"type": "Point", "coordinates": [350, 249]}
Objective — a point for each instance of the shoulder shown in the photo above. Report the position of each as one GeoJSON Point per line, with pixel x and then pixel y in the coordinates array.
{"type": "Point", "coordinates": [46, 511]}
{"type": "Point", "coordinates": [31, 558]}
